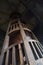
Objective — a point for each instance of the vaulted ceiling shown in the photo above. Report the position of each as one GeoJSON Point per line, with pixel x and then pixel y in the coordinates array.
{"type": "Point", "coordinates": [31, 11]}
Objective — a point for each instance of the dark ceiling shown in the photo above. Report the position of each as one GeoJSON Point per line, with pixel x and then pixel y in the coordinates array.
{"type": "Point", "coordinates": [31, 11]}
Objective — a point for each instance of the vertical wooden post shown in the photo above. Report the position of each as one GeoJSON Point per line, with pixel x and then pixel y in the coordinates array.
{"type": "Point", "coordinates": [20, 53]}
{"type": "Point", "coordinates": [6, 41]}
{"type": "Point", "coordinates": [27, 46]}
{"type": "Point", "coordinates": [7, 56]}
{"type": "Point", "coordinates": [13, 56]}
{"type": "Point", "coordinates": [5, 45]}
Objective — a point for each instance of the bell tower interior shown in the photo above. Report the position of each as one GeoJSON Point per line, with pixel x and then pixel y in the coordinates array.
{"type": "Point", "coordinates": [21, 47]}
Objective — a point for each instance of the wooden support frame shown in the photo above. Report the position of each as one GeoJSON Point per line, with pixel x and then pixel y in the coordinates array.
{"type": "Point", "coordinates": [13, 56]}
{"type": "Point", "coordinates": [27, 47]}
{"type": "Point", "coordinates": [21, 55]}
{"type": "Point", "coordinates": [7, 57]}
{"type": "Point", "coordinates": [5, 41]}
{"type": "Point", "coordinates": [29, 55]}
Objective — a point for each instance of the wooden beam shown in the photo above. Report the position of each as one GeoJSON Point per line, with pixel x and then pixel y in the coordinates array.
{"type": "Point", "coordinates": [20, 53]}
{"type": "Point", "coordinates": [5, 45]}
{"type": "Point", "coordinates": [7, 58]}
{"type": "Point", "coordinates": [13, 56]}
{"type": "Point", "coordinates": [27, 46]}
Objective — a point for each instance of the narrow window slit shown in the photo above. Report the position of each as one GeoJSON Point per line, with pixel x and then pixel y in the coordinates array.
{"type": "Point", "coordinates": [26, 61]}
{"type": "Point", "coordinates": [15, 25]}
{"type": "Point", "coordinates": [33, 51]}
{"type": "Point", "coordinates": [17, 55]}
{"type": "Point", "coordinates": [12, 27]}
{"type": "Point", "coordinates": [10, 57]}
{"type": "Point", "coordinates": [39, 47]}
{"type": "Point", "coordinates": [37, 50]}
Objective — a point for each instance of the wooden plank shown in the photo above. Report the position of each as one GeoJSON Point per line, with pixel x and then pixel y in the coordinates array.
{"type": "Point", "coordinates": [7, 56]}
{"type": "Point", "coordinates": [20, 53]}
{"type": "Point", "coordinates": [5, 45]}
{"type": "Point", "coordinates": [13, 56]}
